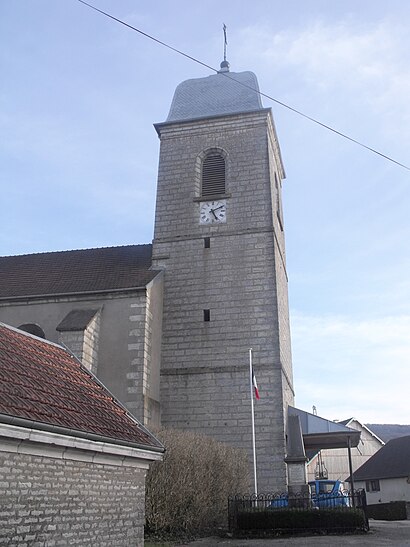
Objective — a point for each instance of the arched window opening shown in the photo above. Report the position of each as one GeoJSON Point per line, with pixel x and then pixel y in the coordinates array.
{"type": "Point", "coordinates": [34, 329]}
{"type": "Point", "coordinates": [213, 175]}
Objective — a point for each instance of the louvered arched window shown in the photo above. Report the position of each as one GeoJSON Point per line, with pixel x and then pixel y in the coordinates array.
{"type": "Point", "coordinates": [213, 175]}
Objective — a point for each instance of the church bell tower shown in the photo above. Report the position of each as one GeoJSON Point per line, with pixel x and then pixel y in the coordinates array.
{"type": "Point", "coordinates": [219, 239]}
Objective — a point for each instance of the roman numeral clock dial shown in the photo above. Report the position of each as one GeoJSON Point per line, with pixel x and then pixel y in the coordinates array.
{"type": "Point", "coordinates": [212, 212]}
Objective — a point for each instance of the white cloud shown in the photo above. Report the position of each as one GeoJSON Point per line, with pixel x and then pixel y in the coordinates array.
{"type": "Point", "coordinates": [330, 54]}
{"type": "Point", "coordinates": [363, 69]}
{"type": "Point", "coordinates": [350, 367]}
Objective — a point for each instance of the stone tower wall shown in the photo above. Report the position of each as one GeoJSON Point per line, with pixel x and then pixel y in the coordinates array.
{"type": "Point", "coordinates": [241, 279]}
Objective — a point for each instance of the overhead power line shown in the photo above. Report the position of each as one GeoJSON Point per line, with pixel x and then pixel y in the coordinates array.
{"type": "Point", "coordinates": [226, 75]}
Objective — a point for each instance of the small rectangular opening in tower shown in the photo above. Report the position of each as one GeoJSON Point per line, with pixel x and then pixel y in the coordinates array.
{"type": "Point", "coordinates": [207, 242]}
{"type": "Point", "coordinates": [207, 315]}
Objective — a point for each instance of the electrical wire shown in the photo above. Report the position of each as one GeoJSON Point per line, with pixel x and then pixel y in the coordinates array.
{"type": "Point", "coordinates": [226, 75]}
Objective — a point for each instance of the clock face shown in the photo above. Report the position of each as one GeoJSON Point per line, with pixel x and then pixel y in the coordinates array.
{"type": "Point", "coordinates": [212, 212]}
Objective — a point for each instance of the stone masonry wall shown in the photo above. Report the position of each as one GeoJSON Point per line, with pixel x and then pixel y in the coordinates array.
{"type": "Point", "coordinates": [136, 355]}
{"type": "Point", "coordinates": [90, 347]}
{"type": "Point", "coordinates": [54, 502]}
{"type": "Point", "coordinates": [217, 403]}
{"type": "Point", "coordinates": [144, 354]}
{"type": "Point", "coordinates": [152, 352]}
{"type": "Point", "coordinates": [84, 343]}
{"type": "Point", "coordinates": [74, 341]}
{"type": "Point", "coordinates": [240, 278]}
{"type": "Point", "coordinates": [280, 268]}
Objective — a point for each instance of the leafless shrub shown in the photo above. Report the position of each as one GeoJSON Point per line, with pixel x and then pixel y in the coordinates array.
{"type": "Point", "coordinates": [187, 493]}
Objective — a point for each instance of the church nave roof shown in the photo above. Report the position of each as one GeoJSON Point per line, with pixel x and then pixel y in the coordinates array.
{"type": "Point", "coordinates": [74, 272]}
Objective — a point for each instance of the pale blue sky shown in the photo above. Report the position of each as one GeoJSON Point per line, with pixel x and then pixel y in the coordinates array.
{"type": "Point", "coordinates": [78, 158]}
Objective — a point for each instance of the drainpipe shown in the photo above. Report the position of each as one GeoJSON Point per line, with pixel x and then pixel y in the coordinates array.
{"type": "Point", "coordinates": [349, 451]}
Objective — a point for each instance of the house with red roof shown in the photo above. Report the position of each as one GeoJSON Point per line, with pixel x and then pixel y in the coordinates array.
{"type": "Point", "coordinates": [73, 460]}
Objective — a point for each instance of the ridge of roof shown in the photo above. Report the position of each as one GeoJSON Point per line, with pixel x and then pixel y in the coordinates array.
{"type": "Point", "coordinates": [43, 384]}
{"type": "Point", "coordinates": [77, 250]}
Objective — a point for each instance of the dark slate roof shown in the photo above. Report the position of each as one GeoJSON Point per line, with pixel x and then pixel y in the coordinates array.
{"type": "Point", "coordinates": [389, 431]}
{"type": "Point", "coordinates": [391, 461]}
{"type": "Point", "coordinates": [73, 272]}
{"type": "Point", "coordinates": [43, 384]}
{"type": "Point", "coordinates": [216, 95]}
{"type": "Point", "coordinates": [76, 320]}
{"type": "Point", "coordinates": [345, 422]}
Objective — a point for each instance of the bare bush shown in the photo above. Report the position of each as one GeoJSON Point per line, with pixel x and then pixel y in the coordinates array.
{"type": "Point", "coordinates": [188, 492]}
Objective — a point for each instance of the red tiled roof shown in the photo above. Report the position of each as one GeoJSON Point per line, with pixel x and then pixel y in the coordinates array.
{"type": "Point", "coordinates": [71, 272]}
{"type": "Point", "coordinates": [43, 382]}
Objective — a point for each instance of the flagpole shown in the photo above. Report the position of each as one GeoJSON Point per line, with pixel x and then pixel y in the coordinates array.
{"type": "Point", "coordinates": [253, 422]}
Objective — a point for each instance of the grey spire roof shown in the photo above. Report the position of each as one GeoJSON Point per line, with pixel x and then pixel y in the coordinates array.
{"type": "Point", "coordinates": [216, 95]}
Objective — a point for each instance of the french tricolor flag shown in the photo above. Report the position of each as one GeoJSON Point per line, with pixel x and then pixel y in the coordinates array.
{"type": "Point", "coordinates": [255, 385]}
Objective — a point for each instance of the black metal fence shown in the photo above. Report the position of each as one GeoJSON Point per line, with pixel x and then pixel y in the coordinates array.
{"type": "Point", "coordinates": [280, 513]}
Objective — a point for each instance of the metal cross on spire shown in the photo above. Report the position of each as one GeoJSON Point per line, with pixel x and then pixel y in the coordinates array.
{"type": "Point", "coordinates": [225, 41]}
{"type": "Point", "coordinates": [224, 64]}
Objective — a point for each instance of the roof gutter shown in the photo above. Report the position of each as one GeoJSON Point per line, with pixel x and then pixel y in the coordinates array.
{"type": "Point", "coordinates": [78, 293]}
{"type": "Point", "coordinates": [50, 428]}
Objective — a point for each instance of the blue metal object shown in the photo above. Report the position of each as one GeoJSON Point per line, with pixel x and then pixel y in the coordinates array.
{"type": "Point", "coordinates": [323, 493]}
{"type": "Point", "coordinates": [327, 493]}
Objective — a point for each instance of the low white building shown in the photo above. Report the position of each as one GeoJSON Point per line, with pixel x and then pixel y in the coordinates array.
{"type": "Point", "coordinates": [386, 475]}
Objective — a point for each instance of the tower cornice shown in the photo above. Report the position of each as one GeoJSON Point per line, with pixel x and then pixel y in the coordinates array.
{"type": "Point", "coordinates": [192, 122]}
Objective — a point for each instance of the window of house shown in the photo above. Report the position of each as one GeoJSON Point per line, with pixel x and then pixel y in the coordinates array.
{"type": "Point", "coordinates": [373, 485]}
{"type": "Point", "coordinates": [213, 175]}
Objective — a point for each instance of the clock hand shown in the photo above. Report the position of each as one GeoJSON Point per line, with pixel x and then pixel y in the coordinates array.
{"type": "Point", "coordinates": [213, 212]}
{"type": "Point", "coordinates": [216, 208]}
